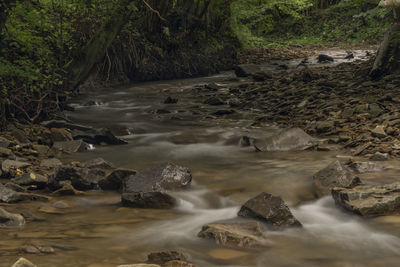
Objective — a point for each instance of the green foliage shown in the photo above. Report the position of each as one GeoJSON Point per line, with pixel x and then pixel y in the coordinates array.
{"type": "Point", "coordinates": [253, 19]}
{"type": "Point", "coordinates": [271, 23]}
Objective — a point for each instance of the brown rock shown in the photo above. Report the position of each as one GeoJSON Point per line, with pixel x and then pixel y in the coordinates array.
{"type": "Point", "coordinates": [334, 175]}
{"type": "Point", "coordinates": [241, 234]}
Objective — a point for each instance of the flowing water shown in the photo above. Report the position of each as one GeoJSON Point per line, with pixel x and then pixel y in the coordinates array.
{"type": "Point", "coordinates": [97, 231]}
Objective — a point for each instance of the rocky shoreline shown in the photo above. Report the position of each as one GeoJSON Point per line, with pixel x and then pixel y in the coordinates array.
{"type": "Point", "coordinates": [337, 104]}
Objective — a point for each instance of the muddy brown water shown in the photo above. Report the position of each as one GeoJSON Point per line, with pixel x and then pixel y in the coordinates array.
{"type": "Point", "coordinates": [97, 231]}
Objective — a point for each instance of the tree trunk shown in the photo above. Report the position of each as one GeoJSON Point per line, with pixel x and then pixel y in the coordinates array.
{"type": "Point", "coordinates": [387, 60]}
{"type": "Point", "coordinates": [94, 51]}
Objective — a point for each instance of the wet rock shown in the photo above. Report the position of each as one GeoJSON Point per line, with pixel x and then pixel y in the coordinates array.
{"type": "Point", "coordinates": [245, 70]}
{"type": "Point", "coordinates": [379, 131]}
{"type": "Point", "coordinates": [4, 143]}
{"type": "Point", "coordinates": [31, 179]}
{"type": "Point", "coordinates": [72, 146]}
{"type": "Point", "coordinates": [261, 76]}
{"type": "Point", "coordinates": [31, 217]}
{"type": "Point", "coordinates": [67, 190]}
{"type": "Point", "coordinates": [324, 58]}
{"type": "Point", "coordinates": [212, 86]}
{"type": "Point", "coordinates": [170, 100]}
{"type": "Point", "coordinates": [51, 210]}
{"type": "Point", "coordinates": [139, 265]}
{"type": "Point", "coordinates": [5, 152]}
{"type": "Point", "coordinates": [19, 134]}
{"type": "Point", "coordinates": [65, 124]}
{"type": "Point", "coordinates": [15, 187]}
{"type": "Point", "coordinates": [378, 156]}
{"type": "Point", "coordinates": [213, 101]}
{"type": "Point", "coordinates": [114, 180]}
{"type": "Point", "coordinates": [364, 167]}
{"type": "Point", "coordinates": [369, 200]}
{"type": "Point", "coordinates": [360, 149]}
{"type": "Point", "coordinates": [98, 136]}
{"type": "Point", "coordinates": [33, 249]}
{"type": "Point", "coordinates": [178, 263]}
{"type": "Point", "coordinates": [43, 150]}
{"type": "Point", "coordinates": [164, 177]}
{"type": "Point", "coordinates": [375, 110]}
{"type": "Point", "coordinates": [8, 219]}
{"type": "Point", "coordinates": [92, 103]}
{"type": "Point", "coordinates": [148, 200]}
{"type": "Point", "coordinates": [349, 55]}
{"type": "Point", "coordinates": [51, 163]}
{"type": "Point", "coordinates": [269, 209]}
{"type": "Point", "coordinates": [60, 135]}
{"type": "Point", "coordinates": [79, 178]}
{"type": "Point", "coordinates": [334, 175]}
{"type": "Point", "coordinates": [10, 167]}
{"type": "Point", "coordinates": [246, 141]}
{"type": "Point", "coordinates": [324, 126]}
{"type": "Point", "coordinates": [162, 111]}
{"type": "Point", "coordinates": [165, 256]}
{"type": "Point", "coordinates": [22, 262]}
{"type": "Point", "coordinates": [240, 234]}
{"type": "Point", "coordinates": [8, 195]}
{"type": "Point", "coordinates": [285, 140]}
{"type": "Point", "coordinates": [223, 112]}
{"type": "Point", "coordinates": [63, 204]}
{"type": "Point", "coordinates": [99, 163]}
{"type": "Point", "coordinates": [29, 249]}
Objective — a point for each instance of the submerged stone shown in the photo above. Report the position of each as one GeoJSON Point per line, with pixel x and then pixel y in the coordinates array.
{"type": "Point", "coordinates": [285, 140]}
{"type": "Point", "coordinates": [8, 219]}
{"type": "Point", "coordinates": [239, 234]}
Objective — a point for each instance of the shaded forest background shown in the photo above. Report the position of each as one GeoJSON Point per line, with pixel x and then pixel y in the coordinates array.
{"type": "Point", "coordinates": [50, 47]}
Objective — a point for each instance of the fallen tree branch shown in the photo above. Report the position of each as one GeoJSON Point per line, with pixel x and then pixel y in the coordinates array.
{"type": "Point", "coordinates": [153, 10]}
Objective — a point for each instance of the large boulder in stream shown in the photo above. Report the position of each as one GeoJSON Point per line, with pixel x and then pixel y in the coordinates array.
{"type": "Point", "coordinates": [8, 219]}
{"type": "Point", "coordinates": [269, 209]}
{"type": "Point", "coordinates": [236, 234]}
{"type": "Point", "coordinates": [285, 140]}
{"type": "Point", "coordinates": [148, 188]}
{"type": "Point", "coordinates": [333, 175]}
{"type": "Point", "coordinates": [79, 178]}
{"type": "Point", "coordinates": [369, 200]}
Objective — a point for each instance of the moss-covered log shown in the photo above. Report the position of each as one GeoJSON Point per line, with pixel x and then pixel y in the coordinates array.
{"type": "Point", "coordinates": [388, 57]}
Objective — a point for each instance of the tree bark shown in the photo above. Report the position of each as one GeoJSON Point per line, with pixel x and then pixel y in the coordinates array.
{"type": "Point", "coordinates": [94, 51]}
{"type": "Point", "coordinates": [387, 60]}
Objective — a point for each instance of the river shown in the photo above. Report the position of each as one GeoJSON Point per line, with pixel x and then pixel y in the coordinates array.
{"type": "Point", "coordinates": [98, 232]}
